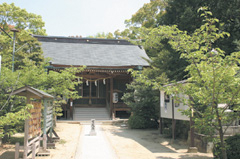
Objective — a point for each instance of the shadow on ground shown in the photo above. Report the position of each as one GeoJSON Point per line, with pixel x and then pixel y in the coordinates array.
{"type": "Point", "coordinates": [7, 155]}
{"type": "Point", "coordinates": [156, 143]}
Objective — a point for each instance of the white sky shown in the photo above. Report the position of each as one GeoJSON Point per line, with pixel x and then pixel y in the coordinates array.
{"type": "Point", "coordinates": [81, 17]}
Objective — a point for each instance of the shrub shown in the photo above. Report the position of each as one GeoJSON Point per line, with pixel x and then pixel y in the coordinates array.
{"type": "Point", "coordinates": [139, 122]}
{"type": "Point", "coordinates": [144, 103]}
{"type": "Point", "coordinates": [232, 145]}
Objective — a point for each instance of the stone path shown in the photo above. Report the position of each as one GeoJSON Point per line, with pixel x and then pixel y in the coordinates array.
{"type": "Point", "coordinates": [94, 147]}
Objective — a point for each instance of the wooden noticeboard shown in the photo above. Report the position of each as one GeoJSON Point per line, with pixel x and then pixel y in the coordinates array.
{"type": "Point", "coordinates": [35, 120]}
{"type": "Point", "coordinates": [32, 126]}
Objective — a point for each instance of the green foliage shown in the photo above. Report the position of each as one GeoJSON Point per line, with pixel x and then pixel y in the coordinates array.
{"type": "Point", "coordinates": [232, 146]}
{"type": "Point", "coordinates": [30, 68]}
{"type": "Point", "coordinates": [27, 47]}
{"type": "Point", "coordinates": [59, 84]}
{"type": "Point", "coordinates": [14, 140]}
{"type": "Point", "coordinates": [181, 128]}
{"type": "Point", "coordinates": [157, 13]}
{"type": "Point", "coordinates": [103, 36]}
{"type": "Point", "coordinates": [12, 15]}
{"type": "Point", "coordinates": [143, 101]}
{"type": "Point", "coordinates": [12, 118]}
{"type": "Point", "coordinates": [213, 76]}
{"type": "Point", "coordinates": [184, 14]}
{"type": "Point", "coordinates": [148, 15]}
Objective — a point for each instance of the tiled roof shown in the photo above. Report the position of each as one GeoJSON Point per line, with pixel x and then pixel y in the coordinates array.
{"type": "Point", "coordinates": [32, 92]}
{"type": "Point", "coordinates": [92, 52]}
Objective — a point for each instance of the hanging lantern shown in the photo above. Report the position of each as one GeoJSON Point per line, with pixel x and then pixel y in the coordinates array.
{"type": "Point", "coordinates": [104, 81]}
{"type": "Point", "coordinates": [87, 82]}
{"type": "Point", "coordinates": [95, 83]}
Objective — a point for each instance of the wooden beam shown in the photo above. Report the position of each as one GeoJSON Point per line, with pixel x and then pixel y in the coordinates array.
{"type": "Point", "coordinates": [160, 116]}
{"type": "Point", "coordinates": [192, 144]}
{"type": "Point", "coordinates": [107, 92]}
{"type": "Point", "coordinates": [95, 76]}
{"type": "Point", "coordinates": [26, 129]}
{"type": "Point", "coordinates": [111, 96]}
{"type": "Point", "coordinates": [173, 122]}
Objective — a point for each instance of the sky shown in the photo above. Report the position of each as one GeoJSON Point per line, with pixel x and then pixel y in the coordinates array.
{"type": "Point", "coordinates": [81, 17]}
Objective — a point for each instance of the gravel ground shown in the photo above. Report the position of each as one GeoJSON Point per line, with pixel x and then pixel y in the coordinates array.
{"type": "Point", "coordinates": [126, 144]}
{"type": "Point", "coordinates": [147, 144]}
{"type": "Point", "coordinates": [65, 148]}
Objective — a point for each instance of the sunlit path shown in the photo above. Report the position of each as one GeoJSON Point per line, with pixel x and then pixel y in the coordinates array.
{"type": "Point", "coordinates": [94, 147]}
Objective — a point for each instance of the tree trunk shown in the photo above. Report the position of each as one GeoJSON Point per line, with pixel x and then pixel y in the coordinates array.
{"type": "Point", "coordinates": [5, 137]}
{"type": "Point", "coordinates": [221, 135]}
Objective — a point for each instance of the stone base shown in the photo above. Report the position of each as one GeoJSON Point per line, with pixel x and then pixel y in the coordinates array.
{"type": "Point", "coordinates": [92, 133]}
{"type": "Point", "coordinates": [192, 150]}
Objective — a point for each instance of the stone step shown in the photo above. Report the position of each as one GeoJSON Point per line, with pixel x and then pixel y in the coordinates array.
{"type": "Point", "coordinates": [81, 114]}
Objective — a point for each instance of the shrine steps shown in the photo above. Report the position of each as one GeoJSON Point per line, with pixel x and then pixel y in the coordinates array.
{"type": "Point", "coordinates": [83, 114]}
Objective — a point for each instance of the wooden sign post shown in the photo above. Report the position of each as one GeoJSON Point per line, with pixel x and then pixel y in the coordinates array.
{"type": "Point", "coordinates": [32, 127]}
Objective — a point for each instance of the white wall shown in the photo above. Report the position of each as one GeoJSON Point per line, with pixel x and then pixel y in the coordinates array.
{"type": "Point", "coordinates": [166, 108]}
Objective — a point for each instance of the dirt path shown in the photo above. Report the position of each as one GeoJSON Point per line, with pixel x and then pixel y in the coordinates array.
{"type": "Point", "coordinates": [126, 143]}
{"type": "Point", "coordinates": [147, 144]}
{"type": "Point", "coordinates": [94, 146]}
{"type": "Point", "coordinates": [66, 147]}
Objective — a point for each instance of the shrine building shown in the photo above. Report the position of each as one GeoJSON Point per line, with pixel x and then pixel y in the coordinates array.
{"type": "Point", "coordinates": [103, 80]}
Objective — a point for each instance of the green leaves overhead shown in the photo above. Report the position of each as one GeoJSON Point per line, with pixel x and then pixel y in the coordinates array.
{"type": "Point", "coordinates": [12, 16]}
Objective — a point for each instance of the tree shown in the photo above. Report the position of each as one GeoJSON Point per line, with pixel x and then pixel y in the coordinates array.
{"type": "Point", "coordinates": [59, 84]}
{"type": "Point", "coordinates": [213, 75]}
{"type": "Point", "coordinates": [144, 104]}
{"type": "Point", "coordinates": [30, 68]}
{"type": "Point", "coordinates": [184, 15]}
{"type": "Point", "coordinates": [103, 36]}
{"type": "Point", "coordinates": [149, 15]}
{"type": "Point", "coordinates": [27, 23]}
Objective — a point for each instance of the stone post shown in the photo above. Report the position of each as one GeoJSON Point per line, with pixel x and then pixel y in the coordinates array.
{"type": "Point", "coordinates": [92, 132]}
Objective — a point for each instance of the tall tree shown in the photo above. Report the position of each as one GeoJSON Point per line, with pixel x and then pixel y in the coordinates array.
{"type": "Point", "coordinates": [26, 23]}
{"type": "Point", "coordinates": [30, 67]}
{"type": "Point", "coordinates": [213, 75]}
{"type": "Point", "coordinates": [149, 15]}
{"type": "Point", "coordinates": [184, 15]}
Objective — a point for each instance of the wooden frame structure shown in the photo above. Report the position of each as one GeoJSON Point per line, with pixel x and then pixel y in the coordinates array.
{"type": "Point", "coordinates": [114, 79]}
{"type": "Point", "coordinates": [106, 60]}
{"type": "Point", "coordinates": [32, 134]}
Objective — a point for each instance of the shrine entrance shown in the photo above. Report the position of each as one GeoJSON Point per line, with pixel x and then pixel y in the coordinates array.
{"type": "Point", "coordinates": [101, 91]}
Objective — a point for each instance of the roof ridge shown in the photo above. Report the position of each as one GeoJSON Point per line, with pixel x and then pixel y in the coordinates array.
{"type": "Point", "coordinates": [82, 40]}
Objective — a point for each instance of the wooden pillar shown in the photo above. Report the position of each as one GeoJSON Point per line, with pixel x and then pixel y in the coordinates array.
{"type": "Point", "coordinates": [191, 132]}
{"type": "Point", "coordinates": [173, 122]}
{"type": "Point", "coordinates": [45, 124]}
{"type": "Point", "coordinates": [51, 129]}
{"type": "Point", "coordinates": [26, 129]}
{"type": "Point", "coordinates": [160, 116]}
{"type": "Point", "coordinates": [192, 148]}
{"type": "Point", "coordinates": [107, 91]}
{"type": "Point", "coordinates": [111, 97]}
{"type": "Point", "coordinates": [90, 93]}
{"type": "Point", "coordinates": [33, 150]}
{"type": "Point", "coordinates": [17, 147]}
{"type": "Point", "coordinates": [71, 108]}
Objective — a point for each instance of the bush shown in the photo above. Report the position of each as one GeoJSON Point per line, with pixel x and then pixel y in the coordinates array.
{"type": "Point", "coordinates": [181, 129]}
{"type": "Point", "coordinates": [139, 122]}
{"type": "Point", "coordinates": [144, 103]}
{"type": "Point", "coordinates": [232, 145]}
